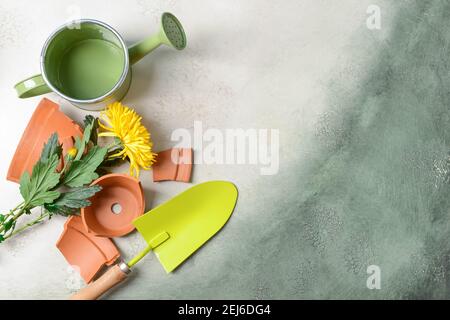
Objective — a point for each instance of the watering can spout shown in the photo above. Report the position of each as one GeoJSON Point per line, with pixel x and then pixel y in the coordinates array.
{"type": "Point", "coordinates": [142, 48]}
{"type": "Point", "coordinates": [171, 33]}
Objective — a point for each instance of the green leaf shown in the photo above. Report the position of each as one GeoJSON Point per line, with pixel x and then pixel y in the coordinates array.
{"type": "Point", "coordinates": [78, 197]}
{"type": "Point", "coordinates": [90, 133]}
{"type": "Point", "coordinates": [1, 238]}
{"type": "Point", "coordinates": [8, 225]}
{"type": "Point", "coordinates": [43, 178]}
{"type": "Point", "coordinates": [90, 120]}
{"type": "Point", "coordinates": [35, 189]}
{"type": "Point", "coordinates": [24, 185]}
{"type": "Point", "coordinates": [82, 171]}
{"type": "Point", "coordinates": [69, 202]}
{"type": "Point", "coordinates": [78, 145]}
{"type": "Point", "coordinates": [44, 197]}
{"type": "Point", "coordinates": [2, 218]}
{"type": "Point", "coordinates": [52, 147]}
{"type": "Point", "coordinates": [61, 210]}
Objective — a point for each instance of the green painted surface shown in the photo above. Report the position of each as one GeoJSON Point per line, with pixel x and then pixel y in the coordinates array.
{"type": "Point", "coordinates": [377, 192]}
{"type": "Point", "coordinates": [90, 68]}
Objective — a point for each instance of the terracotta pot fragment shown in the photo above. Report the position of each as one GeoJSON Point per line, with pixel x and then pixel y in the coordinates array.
{"type": "Point", "coordinates": [86, 252]}
{"type": "Point", "coordinates": [46, 120]}
{"type": "Point", "coordinates": [173, 165]}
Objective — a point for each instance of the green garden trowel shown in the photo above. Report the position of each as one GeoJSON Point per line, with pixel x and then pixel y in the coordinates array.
{"type": "Point", "coordinates": [174, 230]}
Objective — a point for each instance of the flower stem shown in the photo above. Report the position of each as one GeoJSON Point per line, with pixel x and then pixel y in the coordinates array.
{"type": "Point", "coordinates": [113, 146]}
{"type": "Point", "coordinates": [13, 216]}
{"type": "Point", "coordinates": [11, 212]}
{"type": "Point", "coordinates": [32, 223]}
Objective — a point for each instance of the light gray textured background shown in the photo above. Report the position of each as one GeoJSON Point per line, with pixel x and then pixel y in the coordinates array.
{"type": "Point", "coordinates": [361, 114]}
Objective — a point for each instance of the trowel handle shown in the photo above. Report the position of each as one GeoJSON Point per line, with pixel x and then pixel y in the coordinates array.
{"type": "Point", "coordinates": [112, 277]}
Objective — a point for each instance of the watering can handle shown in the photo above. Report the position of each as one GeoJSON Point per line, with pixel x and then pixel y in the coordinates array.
{"type": "Point", "coordinates": [111, 278]}
{"type": "Point", "coordinates": [31, 87]}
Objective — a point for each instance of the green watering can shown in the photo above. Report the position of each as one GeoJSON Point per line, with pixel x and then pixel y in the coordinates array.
{"type": "Point", "coordinates": [174, 230]}
{"type": "Point", "coordinates": [87, 62]}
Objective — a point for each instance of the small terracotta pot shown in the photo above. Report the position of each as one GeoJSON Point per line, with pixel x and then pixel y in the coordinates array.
{"type": "Point", "coordinates": [114, 207]}
{"type": "Point", "coordinates": [46, 120]}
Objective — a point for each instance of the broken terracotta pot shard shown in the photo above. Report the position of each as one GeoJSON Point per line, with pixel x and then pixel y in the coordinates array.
{"type": "Point", "coordinates": [85, 252]}
{"type": "Point", "coordinates": [105, 244]}
{"type": "Point", "coordinates": [46, 120]}
{"type": "Point", "coordinates": [173, 165]}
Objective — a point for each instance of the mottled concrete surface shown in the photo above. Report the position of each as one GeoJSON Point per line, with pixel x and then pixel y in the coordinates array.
{"type": "Point", "coordinates": [362, 116]}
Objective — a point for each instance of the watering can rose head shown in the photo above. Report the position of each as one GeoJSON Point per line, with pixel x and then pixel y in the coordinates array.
{"type": "Point", "coordinates": [131, 139]}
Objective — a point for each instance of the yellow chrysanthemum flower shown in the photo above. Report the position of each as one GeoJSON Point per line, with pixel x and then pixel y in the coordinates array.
{"type": "Point", "coordinates": [124, 123]}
